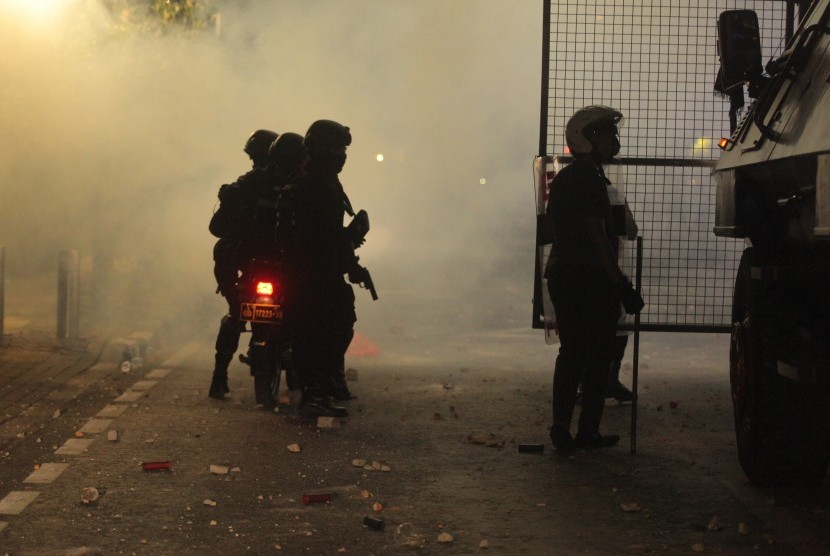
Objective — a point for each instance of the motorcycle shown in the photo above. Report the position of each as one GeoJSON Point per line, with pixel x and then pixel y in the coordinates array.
{"type": "Point", "coordinates": [262, 296]}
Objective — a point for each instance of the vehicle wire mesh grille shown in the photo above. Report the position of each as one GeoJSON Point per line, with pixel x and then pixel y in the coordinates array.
{"type": "Point", "coordinates": [656, 61]}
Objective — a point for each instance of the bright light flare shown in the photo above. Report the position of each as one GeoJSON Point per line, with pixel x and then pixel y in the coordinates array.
{"type": "Point", "coordinates": [379, 157]}
{"type": "Point", "coordinates": [38, 13]}
{"type": "Point", "coordinates": [482, 181]}
{"type": "Point", "coordinates": [37, 8]}
{"type": "Point", "coordinates": [265, 288]}
{"type": "Point", "coordinates": [702, 143]}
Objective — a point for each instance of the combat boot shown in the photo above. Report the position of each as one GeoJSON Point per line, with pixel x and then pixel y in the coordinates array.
{"type": "Point", "coordinates": [595, 440]}
{"type": "Point", "coordinates": [315, 405]}
{"type": "Point", "coordinates": [219, 383]}
{"type": "Point", "coordinates": [338, 389]}
{"type": "Point", "coordinates": [561, 438]}
{"type": "Point", "coordinates": [619, 392]}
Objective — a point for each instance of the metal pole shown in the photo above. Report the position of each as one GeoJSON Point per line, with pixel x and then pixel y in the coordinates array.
{"type": "Point", "coordinates": [68, 294]}
{"type": "Point", "coordinates": [543, 110]}
{"type": "Point", "coordinates": [63, 293]}
{"type": "Point", "coordinates": [2, 292]}
{"type": "Point", "coordinates": [636, 354]}
{"type": "Point", "coordinates": [74, 294]}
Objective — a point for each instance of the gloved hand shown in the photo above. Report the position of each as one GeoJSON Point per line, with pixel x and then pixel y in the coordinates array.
{"type": "Point", "coordinates": [357, 274]}
{"type": "Point", "coordinates": [631, 300]}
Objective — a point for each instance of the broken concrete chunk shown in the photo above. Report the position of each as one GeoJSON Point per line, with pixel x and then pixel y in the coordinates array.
{"type": "Point", "coordinates": [328, 422]}
{"type": "Point", "coordinates": [358, 462]}
{"type": "Point", "coordinates": [489, 440]}
{"type": "Point", "coordinates": [478, 438]}
{"type": "Point", "coordinates": [112, 436]}
{"type": "Point", "coordinates": [209, 502]}
{"type": "Point", "coordinates": [90, 495]}
{"type": "Point", "coordinates": [294, 447]}
{"type": "Point", "coordinates": [714, 524]}
{"type": "Point", "coordinates": [484, 544]}
{"type": "Point", "coordinates": [219, 469]}
{"type": "Point", "coordinates": [445, 538]}
{"type": "Point", "coordinates": [630, 507]}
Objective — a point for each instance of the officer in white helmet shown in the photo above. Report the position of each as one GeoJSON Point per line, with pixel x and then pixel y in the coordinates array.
{"type": "Point", "coordinates": [584, 280]}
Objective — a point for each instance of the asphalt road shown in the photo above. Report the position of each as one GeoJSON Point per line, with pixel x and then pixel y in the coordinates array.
{"type": "Point", "coordinates": [441, 426]}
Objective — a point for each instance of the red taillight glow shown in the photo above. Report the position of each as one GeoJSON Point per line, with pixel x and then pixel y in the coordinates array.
{"type": "Point", "coordinates": [724, 143]}
{"type": "Point", "coordinates": [264, 288]}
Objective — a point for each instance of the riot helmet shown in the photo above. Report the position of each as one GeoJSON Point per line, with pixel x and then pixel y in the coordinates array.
{"type": "Point", "coordinates": [286, 153]}
{"type": "Point", "coordinates": [324, 135]}
{"type": "Point", "coordinates": [258, 144]}
{"type": "Point", "coordinates": [589, 122]}
{"type": "Point", "coordinates": [326, 142]}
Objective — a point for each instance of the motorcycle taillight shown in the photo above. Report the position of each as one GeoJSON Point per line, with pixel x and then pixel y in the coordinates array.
{"type": "Point", "coordinates": [265, 288]}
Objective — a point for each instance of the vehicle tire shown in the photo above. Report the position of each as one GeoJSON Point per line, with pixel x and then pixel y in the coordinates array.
{"type": "Point", "coordinates": [775, 417]}
{"type": "Point", "coordinates": [264, 368]}
{"type": "Point", "coordinates": [292, 380]}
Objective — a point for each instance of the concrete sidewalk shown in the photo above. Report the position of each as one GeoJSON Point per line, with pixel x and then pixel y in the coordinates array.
{"type": "Point", "coordinates": [41, 376]}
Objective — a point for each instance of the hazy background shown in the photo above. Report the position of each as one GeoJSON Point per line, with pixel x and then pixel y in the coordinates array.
{"type": "Point", "coordinates": [115, 144]}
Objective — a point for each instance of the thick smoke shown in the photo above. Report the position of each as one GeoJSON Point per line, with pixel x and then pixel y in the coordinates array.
{"type": "Point", "coordinates": [115, 142]}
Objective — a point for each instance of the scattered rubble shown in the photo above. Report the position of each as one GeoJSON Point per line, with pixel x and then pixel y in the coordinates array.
{"type": "Point", "coordinates": [489, 440]}
{"type": "Point", "coordinates": [375, 523]}
{"type": "Point", "coordinates": [156, 465]}
{"type": "Point", "coordinates": [377, 466]}
{"type": "Point", "coordinates": [90, 495]}
{"type": "Point", "coordinates": [328, 422]}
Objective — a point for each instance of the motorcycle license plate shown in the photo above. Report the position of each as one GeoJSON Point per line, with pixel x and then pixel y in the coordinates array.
{"type": "Point", "coordinates": [258, 312]}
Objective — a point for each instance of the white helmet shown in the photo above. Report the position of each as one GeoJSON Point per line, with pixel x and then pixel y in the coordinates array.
{"type": "Point", "coordinates": [584, 122]}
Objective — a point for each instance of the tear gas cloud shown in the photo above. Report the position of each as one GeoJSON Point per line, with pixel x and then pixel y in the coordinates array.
{"type": "Point", "coordinates": [115, 142]}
